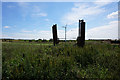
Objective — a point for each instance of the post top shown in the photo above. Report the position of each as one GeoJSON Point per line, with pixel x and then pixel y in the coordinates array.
{"type": "Point", "coordinates": [81, 20]}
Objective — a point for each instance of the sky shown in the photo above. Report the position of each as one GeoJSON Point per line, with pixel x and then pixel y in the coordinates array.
{"type": "Point", "coordinates": [34, 20]}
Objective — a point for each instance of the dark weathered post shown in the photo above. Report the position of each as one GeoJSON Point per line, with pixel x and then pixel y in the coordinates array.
{"type": "Point", "coordinates": [81, 35]}
{"type": "Point", "coordinates": [54, 30]}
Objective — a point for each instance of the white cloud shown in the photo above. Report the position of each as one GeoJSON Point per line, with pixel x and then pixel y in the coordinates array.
{"type": "Point", "coordinates": [80, 11]}
{"type": "Point", "coordinates": [6, 26]}
{"type": "Point", "coordinates": [61, 34]}
{"type": "Point", "coordinates": [47, 20]}
{"type": "Point", "coordinates": [40, 14]}
{"type": "Point", "coordinates": [109, 31]}
{"type": "Point", "coordinates": [31, 10]}
{"type": "Point", "coordinates": [36, 9]}
{"type": "Point", "coordinates": [119, 30]}
{"type": "Point", "coordinates": [25, 9]}
{"type": "Point", "coordinates": [113, 15]}
{"type": "Point", "coordinates": [25, 31]}
{"type": "Point", "coordinates": [5, 36]}
{"type": "Point", "coordinates": [72, 34]}
{"type": "Point", "coordinates": [10, 6]}
{"type": "Point", "coordinates": [35, 34]}
{"type": "Point", "coordinates": [101, 3]}
{"type": "Point", "coordinates": [23, 4]}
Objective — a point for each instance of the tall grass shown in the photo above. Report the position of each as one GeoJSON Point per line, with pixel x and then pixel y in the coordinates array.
{"type": "Point", "coordinates": [64, 61]}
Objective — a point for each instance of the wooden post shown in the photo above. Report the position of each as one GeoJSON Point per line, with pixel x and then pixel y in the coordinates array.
{"type": "Point", "coordinates": [81, 35]}
{"type": "Point", "coordinates": [54, 30]}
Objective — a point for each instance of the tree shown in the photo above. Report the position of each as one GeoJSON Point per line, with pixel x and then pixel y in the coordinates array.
{"type": "Point", "coordinates": [51, 40]}
{"type": "Point", "coordinates": [44, 40]}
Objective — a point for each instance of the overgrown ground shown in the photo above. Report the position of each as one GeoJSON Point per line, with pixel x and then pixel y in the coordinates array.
{"type": "Point", "coordinates": [64, 61]}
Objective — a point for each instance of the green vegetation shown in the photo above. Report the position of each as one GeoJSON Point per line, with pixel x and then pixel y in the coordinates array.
{"type": "Point", "coordinates": [62, 62]}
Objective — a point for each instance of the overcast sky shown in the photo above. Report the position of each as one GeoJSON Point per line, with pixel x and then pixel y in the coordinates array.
{"type": "Point", "coordinates": [34, 20]}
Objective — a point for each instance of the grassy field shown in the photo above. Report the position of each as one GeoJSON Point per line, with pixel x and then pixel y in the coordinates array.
{"type": "Point", "coordinates": [64, 61]}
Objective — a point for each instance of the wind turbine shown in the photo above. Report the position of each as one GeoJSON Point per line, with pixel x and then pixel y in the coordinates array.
{"type": "Point", "coordinates": [65, 31]}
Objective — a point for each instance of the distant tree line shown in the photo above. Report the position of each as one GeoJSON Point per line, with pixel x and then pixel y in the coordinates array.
{"type": "Point", "coordinates": [51, 40]}
{"type": "Point", "coordinates": [33, 40]}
